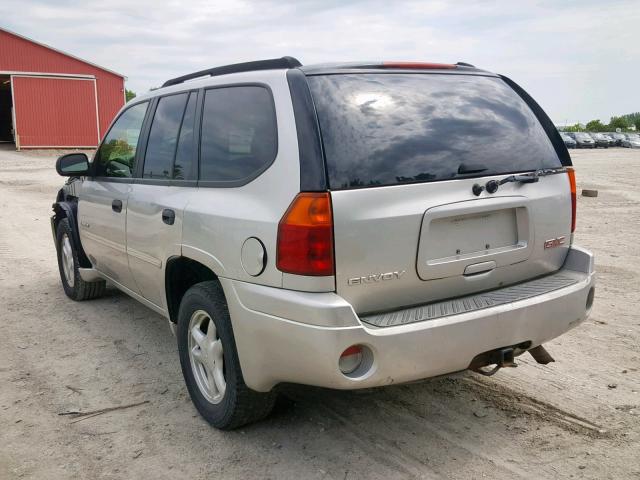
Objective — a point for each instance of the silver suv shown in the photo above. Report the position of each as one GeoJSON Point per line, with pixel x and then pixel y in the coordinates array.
{"type": "Point", "coordinates": [338, 225]}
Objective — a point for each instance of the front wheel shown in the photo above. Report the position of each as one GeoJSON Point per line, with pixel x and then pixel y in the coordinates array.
{"type": "Point", "coordinates": [74, 286]}
{"type": "Point", "coordinates": [210, 363]}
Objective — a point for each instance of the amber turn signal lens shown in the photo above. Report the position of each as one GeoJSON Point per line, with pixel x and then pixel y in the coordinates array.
{"type": "Point", "coordinates": [305, 236]}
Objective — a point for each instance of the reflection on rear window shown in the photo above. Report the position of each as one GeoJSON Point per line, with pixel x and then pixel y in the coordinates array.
{"type": "Point", "coordinates": [389, 129]}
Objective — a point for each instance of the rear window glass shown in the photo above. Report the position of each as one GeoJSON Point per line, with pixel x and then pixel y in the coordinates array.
{"type": "Point", "coordinates": [389, 129]}
{"type": "Point", "coordinates": [239, 136]}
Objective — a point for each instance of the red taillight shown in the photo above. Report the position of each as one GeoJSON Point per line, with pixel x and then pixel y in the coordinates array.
{"type": "Point", "coordinates": [572, 186]}
{"type": "Point", "coordinates": [305, 236]}
{"type": "Point", "coordinates": [419, 65]}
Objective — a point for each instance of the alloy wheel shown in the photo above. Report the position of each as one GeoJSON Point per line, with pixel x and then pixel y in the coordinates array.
{"type": "Point", "coordinates": [67, 260]}
{"type": "Point", "coordinates": [206, 356]}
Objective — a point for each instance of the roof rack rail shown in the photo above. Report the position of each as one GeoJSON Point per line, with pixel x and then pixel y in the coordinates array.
{"type": "Point", "coordinates": [465, 64]}
{"type": "Point", "coordinates": [270, 64]}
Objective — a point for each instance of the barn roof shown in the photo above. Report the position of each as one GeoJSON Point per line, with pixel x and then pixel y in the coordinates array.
{"type": "Point", "coordinates": [61, 52]}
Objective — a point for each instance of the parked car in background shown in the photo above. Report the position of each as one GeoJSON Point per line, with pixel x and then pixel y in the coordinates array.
{"type": "Point", "coordinates": [600, 139]}
{"type": "Point", "coordinates": [583, 140]}
{"type": "Point", "coordinates": [632, 140]}
{"type": "Point", "coordinates": [617, 138]}
{"type": "Point", "coordinates": [568, 141]}
{"type": "Point", "coordinates": [612, 142]}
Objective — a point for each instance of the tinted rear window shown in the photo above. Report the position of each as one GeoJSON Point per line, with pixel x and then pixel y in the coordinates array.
{"type": "Point", "coordinates": [239, 134]}
{"type": "Point", "coordinates": [389, 129]}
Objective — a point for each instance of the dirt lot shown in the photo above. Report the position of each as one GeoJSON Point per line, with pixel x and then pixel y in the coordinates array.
{"type": "Point", "coordinates": [576, 418]}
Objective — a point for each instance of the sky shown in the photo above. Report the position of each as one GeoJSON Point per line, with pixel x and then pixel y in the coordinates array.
{"type": "Point", "coordinates": [579, 59]}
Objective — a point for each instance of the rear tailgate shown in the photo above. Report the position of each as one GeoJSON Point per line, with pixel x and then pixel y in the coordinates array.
{"type": "Point", "coordinates": [403, 153]}
{"type": "Point", "coordinates": [398, 246]}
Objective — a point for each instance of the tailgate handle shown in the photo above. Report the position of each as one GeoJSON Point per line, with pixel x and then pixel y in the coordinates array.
{"type": "Point", "coordinates": [478, 268]}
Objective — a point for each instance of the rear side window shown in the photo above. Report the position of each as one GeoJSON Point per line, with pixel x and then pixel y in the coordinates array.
{"type": "Point", "coordinates": [239, 134]}
{"type": "Point", "coordinates": [184, 165]}
{"type": "Point", "coordinates": [390, 129]}
{"type": "Point", "coordinates": [116, 156]}
{"type": "Point", "coordinates": [163, 137]}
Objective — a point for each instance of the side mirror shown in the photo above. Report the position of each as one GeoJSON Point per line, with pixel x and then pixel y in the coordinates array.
{"type": "Point", "coordinates": [73, 165]}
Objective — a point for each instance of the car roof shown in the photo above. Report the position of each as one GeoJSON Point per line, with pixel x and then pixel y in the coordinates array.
{"type": "Point", "coordinates": [238, 72]}
{"type": "Point", "coordinates": [396, 67]}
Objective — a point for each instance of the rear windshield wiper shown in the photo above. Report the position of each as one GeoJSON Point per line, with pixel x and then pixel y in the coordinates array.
{"type": "Point", "coordinates": [533, 177]}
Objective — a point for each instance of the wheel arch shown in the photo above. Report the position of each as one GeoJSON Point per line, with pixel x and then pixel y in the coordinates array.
{"type": "Point", "coordinates": [181, 273]}
{"type": "Point", "coordinates": [69, 209]}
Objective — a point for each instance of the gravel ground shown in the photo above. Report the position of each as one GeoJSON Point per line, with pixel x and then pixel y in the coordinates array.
{"type": "Point", "coordinates": [576, 418]}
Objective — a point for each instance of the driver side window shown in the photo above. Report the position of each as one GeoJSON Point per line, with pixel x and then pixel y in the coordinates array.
{"type": "Point", "coordinates": [117, 155]}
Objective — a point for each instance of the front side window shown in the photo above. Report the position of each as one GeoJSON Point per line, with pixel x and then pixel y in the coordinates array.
{"type": "Point", "coordinates": [163, 137]}
{"type": "Point", "coordinates": [117, 154]}
{"type": "Point", "coordinates": [239, 134]}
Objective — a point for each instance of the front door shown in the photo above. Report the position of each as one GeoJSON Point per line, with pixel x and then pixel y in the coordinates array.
{"type": "Point", "coordinates": [102, 210]}
{"type": "Point", "coordinates": [158, 199]}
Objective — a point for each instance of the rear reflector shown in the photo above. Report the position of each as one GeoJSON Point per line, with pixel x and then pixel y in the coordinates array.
{"type": "Point", "coordinates": [419, 65]}
{"type": "Point", "coordinates": [572, 184]}
{"type": "Point", "coordinates": [305, 236]}
{"type": "Point", "coordinates": [350, 359]}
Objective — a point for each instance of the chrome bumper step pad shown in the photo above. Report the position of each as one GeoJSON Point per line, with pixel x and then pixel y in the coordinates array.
{"type": "Point", "coordinates": [471, 303]}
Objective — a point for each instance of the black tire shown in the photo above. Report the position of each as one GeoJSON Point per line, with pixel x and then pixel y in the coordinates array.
{"type": "Point", "coordinates": [80, 290]}
{"type": "Point", "coordinates": [240, 405]}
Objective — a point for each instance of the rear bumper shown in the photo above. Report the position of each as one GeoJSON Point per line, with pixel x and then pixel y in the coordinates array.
{"type": "Point", "coordinates": [297, 337]}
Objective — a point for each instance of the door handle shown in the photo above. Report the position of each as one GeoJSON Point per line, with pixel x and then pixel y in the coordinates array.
{"type": "Point", "coordinates": [168, 216]}
{"type": "Point", "coordinates": [116, 206]}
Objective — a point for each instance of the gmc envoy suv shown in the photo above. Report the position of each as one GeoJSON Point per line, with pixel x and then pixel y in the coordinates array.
{"type": "Point", "coordinates": [338, 225]}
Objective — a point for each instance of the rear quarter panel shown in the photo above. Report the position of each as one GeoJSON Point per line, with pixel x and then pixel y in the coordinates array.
{"type": "Point", "coordinates": [217, 221]}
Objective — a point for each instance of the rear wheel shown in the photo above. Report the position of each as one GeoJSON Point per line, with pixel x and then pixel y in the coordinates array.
{"type": "Point", "coordinates": [210, 363]}
{"type": "Point", "coordinates": [74, 286]}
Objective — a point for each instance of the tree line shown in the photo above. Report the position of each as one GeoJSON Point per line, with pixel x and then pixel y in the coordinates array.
{"type": "Point", "coordinates": [623, 122]}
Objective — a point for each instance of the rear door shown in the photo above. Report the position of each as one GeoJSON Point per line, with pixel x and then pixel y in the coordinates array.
{"type": "Point", "coordinates": [158, 199]}
{"type": "Point", "coordinates": [403, 153]}
{"type": "Point", "coordinates": [102, 208]}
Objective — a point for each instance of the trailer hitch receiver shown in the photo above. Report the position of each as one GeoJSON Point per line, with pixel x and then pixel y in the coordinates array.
{"type": "Point", "coordinates": [501, 358]}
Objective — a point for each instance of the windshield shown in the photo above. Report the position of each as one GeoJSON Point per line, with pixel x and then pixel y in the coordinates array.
{"type": "Point", "coordinates": [394, 128]}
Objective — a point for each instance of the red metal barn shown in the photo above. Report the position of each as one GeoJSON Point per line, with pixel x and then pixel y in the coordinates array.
{"type": "Point", "coordinates": [50, 99]}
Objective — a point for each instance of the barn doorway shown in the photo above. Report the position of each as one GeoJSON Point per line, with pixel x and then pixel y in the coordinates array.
{"type": "Point", "coordinates": [6, 113]}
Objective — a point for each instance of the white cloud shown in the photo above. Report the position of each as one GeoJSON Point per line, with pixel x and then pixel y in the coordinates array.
{"type": "Point", "coordinates": [578, 59]}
